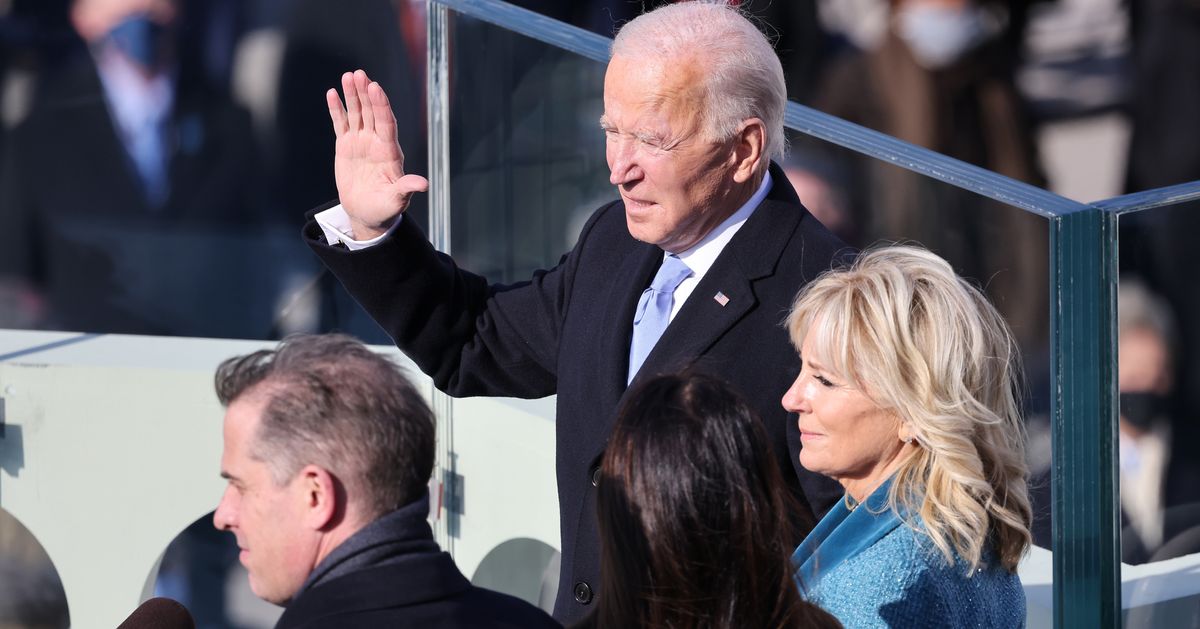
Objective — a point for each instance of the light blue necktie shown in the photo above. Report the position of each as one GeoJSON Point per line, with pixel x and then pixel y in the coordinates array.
{"type": "Point", "coordinates": [654, 311]}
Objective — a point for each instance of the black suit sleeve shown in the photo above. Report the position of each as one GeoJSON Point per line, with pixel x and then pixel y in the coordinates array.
{"type": "Point", "coordinates": [471, 338]}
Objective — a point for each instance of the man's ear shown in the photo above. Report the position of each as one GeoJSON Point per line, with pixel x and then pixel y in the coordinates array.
{"type": "Point", "coordinates": [318, 491]}
{"type": "Point", "coordinates": [748, 145]}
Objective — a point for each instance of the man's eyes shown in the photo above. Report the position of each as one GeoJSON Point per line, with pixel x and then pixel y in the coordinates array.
{"type": "Point", "coordinates": [651, 141]}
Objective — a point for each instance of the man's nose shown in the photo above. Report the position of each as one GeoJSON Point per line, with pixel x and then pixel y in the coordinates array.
{"type": "Point", "coordinates": [224, 516]}
{"type": "Point", "coordinates": [622, 167]}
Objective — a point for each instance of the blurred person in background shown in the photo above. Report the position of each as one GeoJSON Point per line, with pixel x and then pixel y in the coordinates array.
{"type": "Point", "coordinates": [1159, 245]}
{"type": "Point", "coordinates": [126, 143]}
{"type": "Point", "coordinates": [1145, 330]}
{"type": "Point", "coordinates": [908, 397]}
{"type": "Point", "coordinates": [694, 515]}
{"type": "Point", "coordinates": [940, 75]}
{"type": "Point", "coordinates": [1156, 474]}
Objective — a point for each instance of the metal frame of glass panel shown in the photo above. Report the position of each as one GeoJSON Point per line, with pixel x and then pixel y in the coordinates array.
{"type": "Point", "coordinates": [1083, 286]}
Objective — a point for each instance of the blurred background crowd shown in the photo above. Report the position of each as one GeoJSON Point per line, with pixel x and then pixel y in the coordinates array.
{"type": "Point", "coordinates": [158, 156]}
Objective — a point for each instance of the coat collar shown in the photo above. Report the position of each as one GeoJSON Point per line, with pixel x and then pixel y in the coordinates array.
{"type": "Point", "coordinates": [423, 578]}
{"type": "Point", "coordinates": [753, 253]}
{"type": "Point", "coordinates": [394, 537]}
{"type": "Point", "coordinates": [842, 534]}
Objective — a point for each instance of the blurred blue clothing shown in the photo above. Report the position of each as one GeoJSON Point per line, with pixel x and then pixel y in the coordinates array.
{"type": "Point", "coordinates": [870, 569]}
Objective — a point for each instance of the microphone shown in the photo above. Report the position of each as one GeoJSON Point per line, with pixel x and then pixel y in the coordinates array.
{"type": "Point", "coordinates": [159, 613]}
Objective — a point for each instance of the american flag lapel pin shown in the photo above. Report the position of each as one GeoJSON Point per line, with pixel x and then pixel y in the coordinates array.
{"type": "Point", "coordinates": [720, 298]}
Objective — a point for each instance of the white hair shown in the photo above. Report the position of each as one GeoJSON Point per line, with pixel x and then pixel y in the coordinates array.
{"type": "Point", "coordinates": [744, 78]}
{"type": "Point", "coordinates": [926, 345]}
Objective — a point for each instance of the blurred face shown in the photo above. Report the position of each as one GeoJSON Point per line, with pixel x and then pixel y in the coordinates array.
{"type": "Point", "coordinates": [277, 549]}
{"type": "Point", "coordinates": [843, 434]}
{"type": "Point", "coordinates": [1143, 362]}
{"type": "Point", "coordinates": [95, 18]}
{"type": "Point", "coordinates": [676, 184]}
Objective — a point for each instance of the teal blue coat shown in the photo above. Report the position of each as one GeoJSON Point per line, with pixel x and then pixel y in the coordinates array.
{"type": "Point", "coordinates": [869, 569]}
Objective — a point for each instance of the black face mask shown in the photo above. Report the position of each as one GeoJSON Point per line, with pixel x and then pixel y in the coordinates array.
{"type": "Point", "coordinates": [1141, 408]}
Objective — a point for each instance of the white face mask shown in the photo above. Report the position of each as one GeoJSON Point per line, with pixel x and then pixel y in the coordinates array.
{"type": "Point", "coordinates": [938, 35]}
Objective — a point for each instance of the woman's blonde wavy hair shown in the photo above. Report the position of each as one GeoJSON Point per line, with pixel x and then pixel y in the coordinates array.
{"type": "Point", "coordinates": [902, 327]}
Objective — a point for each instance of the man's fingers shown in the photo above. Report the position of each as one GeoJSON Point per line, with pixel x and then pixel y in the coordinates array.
{"type": "Point", "coordinates": [336, 113]}
{"type": "Point", "coordinates": [413, 183]}
{"type": "Point", "coordinates": [353, 109]}
{"type": "Point", "coordinates": [361, 83]}
{"type": "Point", "coordinates": [385, 120]}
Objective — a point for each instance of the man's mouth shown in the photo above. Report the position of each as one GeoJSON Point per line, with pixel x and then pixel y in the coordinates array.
{"type": "Point", "coordinates": [636, 203]}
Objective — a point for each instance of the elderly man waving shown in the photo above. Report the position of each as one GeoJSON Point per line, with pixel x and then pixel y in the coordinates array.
{"type": "Point", "coordinates": [694, 267]}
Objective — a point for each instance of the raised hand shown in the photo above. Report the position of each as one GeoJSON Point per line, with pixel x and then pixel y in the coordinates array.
{"type": "Point", "coordinates": [368, 162]}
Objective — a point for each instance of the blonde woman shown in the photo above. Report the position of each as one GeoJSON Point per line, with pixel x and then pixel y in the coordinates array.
{"type": "Point", "coordinates": [907, 396]}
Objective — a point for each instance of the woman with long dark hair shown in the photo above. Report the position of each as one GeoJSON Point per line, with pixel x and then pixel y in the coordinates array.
{"type": "Point", "coordinates": [693, 516]}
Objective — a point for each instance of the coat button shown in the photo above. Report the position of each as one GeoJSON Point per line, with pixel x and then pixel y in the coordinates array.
{"type": "Point", "coordinates": [583, 593]}
{"type": "Point", "coordinates": [596, 476]}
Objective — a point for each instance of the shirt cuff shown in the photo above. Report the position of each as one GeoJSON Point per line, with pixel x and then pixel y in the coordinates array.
{"type": "Point", "coordinates": [335, 224]}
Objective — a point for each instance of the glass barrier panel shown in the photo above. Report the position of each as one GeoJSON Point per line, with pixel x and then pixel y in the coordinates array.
{"type": "Point", "coordinates": [527, 163]}
{"type": "Point", "coordinates": [1158, 335]}
{"type": "Point", "coordinates": [176, 210]}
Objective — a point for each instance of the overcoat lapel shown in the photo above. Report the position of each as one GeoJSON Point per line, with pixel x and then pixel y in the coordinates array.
{"type": "Point", "coordinates": [752, 254]}
{"type": "Point", "coordinates": [631, 276]}
{"type": "Point", "coordinates": [726, 294]}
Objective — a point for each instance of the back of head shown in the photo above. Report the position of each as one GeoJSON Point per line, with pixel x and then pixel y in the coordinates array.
{"type": "Point", "coordinates": [693, 514]}
{"type": "Point", "coordinates": [902, 327]}
{"type": "Point", "coordinates": [334, 403]}
{"type": "Point", "coordinates": [743, 74]}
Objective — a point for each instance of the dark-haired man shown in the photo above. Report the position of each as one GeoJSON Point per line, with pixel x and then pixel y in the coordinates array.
{"type": "Point", "coordinates": [328, 451]}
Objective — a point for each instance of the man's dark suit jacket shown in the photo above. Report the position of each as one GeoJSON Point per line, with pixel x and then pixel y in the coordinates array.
{"type": "Point", "coordinates": [567, 331]}
{"type": "Point", "coordinates": [426, 591]}
{"type": "Point", "coordinates": [78, 227]}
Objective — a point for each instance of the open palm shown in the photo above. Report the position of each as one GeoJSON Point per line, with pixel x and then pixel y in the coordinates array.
{"type": "Point", "coordinates": [368, 162]}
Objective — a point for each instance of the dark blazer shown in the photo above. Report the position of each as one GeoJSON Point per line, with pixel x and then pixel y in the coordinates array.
{"type": "Point", "coordinates": [567, 331]}
{"type": "Point", "coordinates": [424, 591]}
{"type": "Point", "coordinates": [77, 225]}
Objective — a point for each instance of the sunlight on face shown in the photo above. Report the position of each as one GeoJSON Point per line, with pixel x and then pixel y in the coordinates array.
{"type": "Point", "coordinates": [676, 183]}
{"type": "Point", "coordinates": [276, 549]}
{"type": "Point", "coordinates": [843, 433]}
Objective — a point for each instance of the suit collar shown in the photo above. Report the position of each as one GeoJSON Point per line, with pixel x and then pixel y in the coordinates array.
{"type": "Point", "coordinates": [726, 293]}
{"type": "Point", "coordinates": [394, 537]}
{"type": "Point", "coordinates": [722, 298]}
